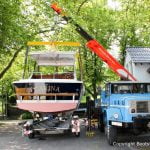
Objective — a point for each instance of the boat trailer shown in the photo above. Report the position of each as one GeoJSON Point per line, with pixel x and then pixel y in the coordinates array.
{"type": "Point", "coordinates": [46, 126]}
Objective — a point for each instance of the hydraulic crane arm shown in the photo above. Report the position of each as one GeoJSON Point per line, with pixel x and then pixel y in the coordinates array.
{"type": "Point", "coordinates": [96, 47]}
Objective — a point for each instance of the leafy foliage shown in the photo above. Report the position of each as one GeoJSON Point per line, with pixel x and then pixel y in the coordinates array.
{"type": "Point", "coordinates": [32, 20]}
{"type": "Point", "coordinates": [26, 115]}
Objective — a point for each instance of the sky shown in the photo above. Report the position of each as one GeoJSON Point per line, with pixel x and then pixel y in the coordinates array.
{"type": "Point", "coordinates": [114, 49]}
{"type": "Point", "coordinates": [114, 4]}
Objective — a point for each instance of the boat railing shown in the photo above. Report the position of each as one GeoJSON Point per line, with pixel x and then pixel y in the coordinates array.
{"type": "Point", "coordinates": [47, 96]}
{"type": "Point", "coordinates": [40, 75]}
{"type": "Point", "coordinates": [34, 74]}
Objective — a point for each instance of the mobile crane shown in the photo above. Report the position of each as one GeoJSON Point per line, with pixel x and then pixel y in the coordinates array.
{"type": "Point", "coordinates": [125, 105]}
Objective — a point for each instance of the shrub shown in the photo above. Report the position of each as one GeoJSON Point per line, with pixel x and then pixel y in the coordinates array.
{"type": "Point", "coordinates": [26, 115]}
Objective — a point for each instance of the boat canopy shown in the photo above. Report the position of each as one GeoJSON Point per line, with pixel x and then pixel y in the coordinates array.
{"type": "Point", "coordinates": [54, 58]}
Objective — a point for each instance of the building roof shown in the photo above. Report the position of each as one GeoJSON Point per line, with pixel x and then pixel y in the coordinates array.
{"type": "Point", "coordinates": [139, 54]}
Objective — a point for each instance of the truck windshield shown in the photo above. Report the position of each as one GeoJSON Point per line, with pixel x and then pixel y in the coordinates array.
{"type": "Point", "coordinates": [118, 88]}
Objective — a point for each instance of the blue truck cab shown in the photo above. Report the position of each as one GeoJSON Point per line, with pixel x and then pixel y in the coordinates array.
{"type": "Point", "coordinates": [125, 105]}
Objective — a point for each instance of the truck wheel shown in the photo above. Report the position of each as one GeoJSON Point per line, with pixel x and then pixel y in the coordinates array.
{"type": "Point", "coordinates": [136, 131]}
{"type": "Point", "coordinates": [111, 134]}
{"type": "Point", "coordinates": [31, 135]}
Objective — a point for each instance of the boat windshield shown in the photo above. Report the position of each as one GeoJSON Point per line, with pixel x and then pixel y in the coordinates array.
{"type": "Point", "coordinates": [54, 65]}
{"type": "Point", "coordinates": [64, 75]}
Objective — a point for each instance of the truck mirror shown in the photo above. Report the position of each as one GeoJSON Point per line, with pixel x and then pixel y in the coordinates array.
{"type": "Point", "coordinates": [99, 89]}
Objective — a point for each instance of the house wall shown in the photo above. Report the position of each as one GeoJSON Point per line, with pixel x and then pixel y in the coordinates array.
{"type": "Point", "coordinates": [128, 63]}
{"type": "Point", "coordinates": [138, 70]}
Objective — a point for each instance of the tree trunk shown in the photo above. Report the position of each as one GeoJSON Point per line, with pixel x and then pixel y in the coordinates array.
{"type": "Point", "coordinates": [10, 63]}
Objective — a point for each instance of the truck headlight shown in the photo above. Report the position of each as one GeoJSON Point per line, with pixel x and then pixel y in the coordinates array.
{"type": "Point", "coordinates": [116, 116]}
{"type": "Point", "coordinates": [132, 110]}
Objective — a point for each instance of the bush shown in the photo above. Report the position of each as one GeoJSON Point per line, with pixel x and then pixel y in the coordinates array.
{"type": "Point", "coordinates": [26, 115]}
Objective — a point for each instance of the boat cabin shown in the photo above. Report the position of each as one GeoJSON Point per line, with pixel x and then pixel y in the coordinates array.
{"type": "Point", "coordinates": [56, 60]}
{"type": "Point", "coordinates": [48, 83]}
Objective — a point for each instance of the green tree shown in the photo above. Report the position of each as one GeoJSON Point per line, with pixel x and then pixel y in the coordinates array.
{"type": "Point", "coordinates": [23, 20]}
{"type": "Point", "coordinates": [98, 21]}
{"type": "Point", "coordinates": [20, 21]}
{"type": "Point", "coordinates": [133, 24]}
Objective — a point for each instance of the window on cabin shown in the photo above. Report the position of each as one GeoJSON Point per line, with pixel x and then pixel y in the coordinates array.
{"type": "Point", "coordinates": [121, 88]}
{"type": "Point", "coordinates": [148, 88]}
{"type": "Point", "coordinates": [107, 89]}
{"type": "Point", "coordinates": [130, 88]}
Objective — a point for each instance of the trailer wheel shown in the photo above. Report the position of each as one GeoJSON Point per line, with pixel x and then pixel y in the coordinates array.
{"type": "Point", "coordinates": [77, 134]}
{"type": "Point", "coordinates": [31, 135]}
{"type": "Point", "coordinates": [111, 134]}
{"type": "Point", "coordinates": [67, 131]}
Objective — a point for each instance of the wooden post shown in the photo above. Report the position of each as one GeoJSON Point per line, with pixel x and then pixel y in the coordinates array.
{"type": "Point", "coordinates": [80, 65]}
{"type": "Point", "coordinates": [25, 62]}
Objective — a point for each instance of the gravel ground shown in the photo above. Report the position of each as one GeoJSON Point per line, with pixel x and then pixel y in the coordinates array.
{"type": "Point", "coordinates": [11, 139]}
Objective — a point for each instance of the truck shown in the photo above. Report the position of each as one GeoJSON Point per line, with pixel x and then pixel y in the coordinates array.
{"type": "Point", "coordinates": [125, 104]}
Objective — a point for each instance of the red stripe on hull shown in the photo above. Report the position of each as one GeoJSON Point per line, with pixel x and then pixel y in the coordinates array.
{"type": "Point", "coordinates": [48, 107]}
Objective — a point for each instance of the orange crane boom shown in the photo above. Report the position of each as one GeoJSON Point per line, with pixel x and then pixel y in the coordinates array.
{"type": "Point", "coordinates": [97, 48]}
